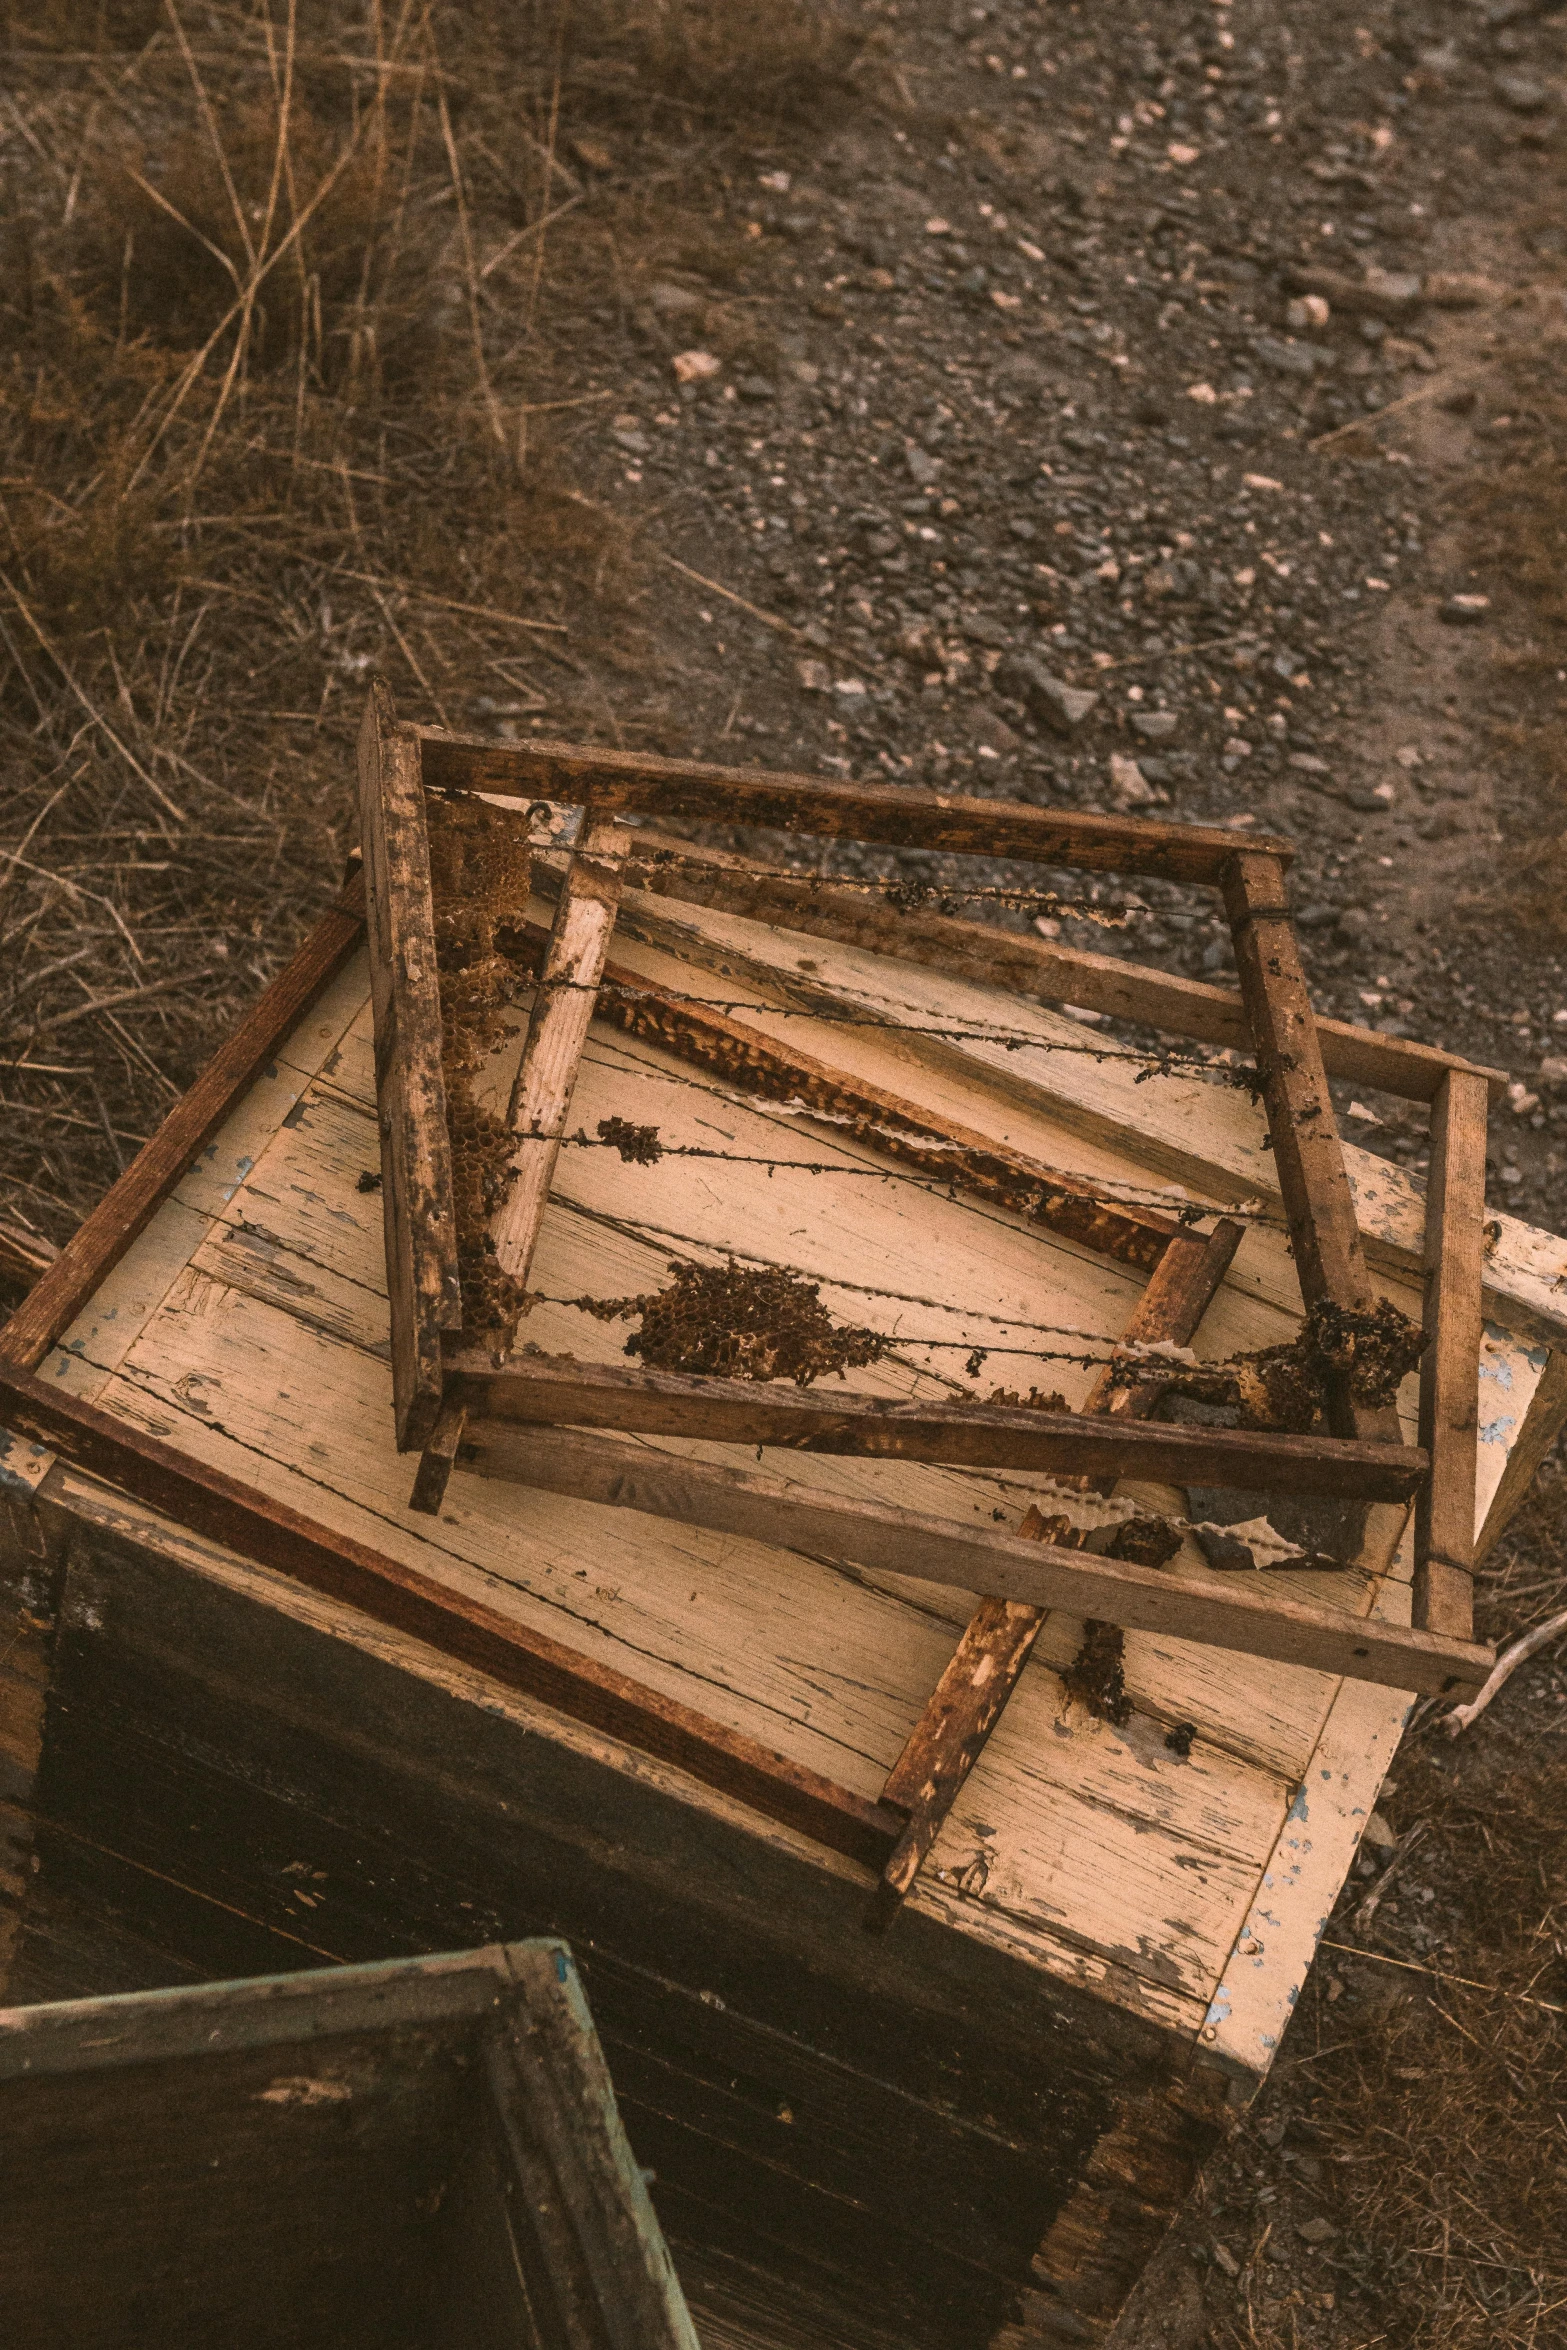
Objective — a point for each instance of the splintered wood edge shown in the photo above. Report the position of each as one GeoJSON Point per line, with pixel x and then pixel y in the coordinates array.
{"type": "Point", "coordinates": [1454, 1324]}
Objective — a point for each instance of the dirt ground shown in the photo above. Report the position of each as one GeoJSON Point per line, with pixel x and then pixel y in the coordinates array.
{"type": "Point", "coordinates": [831, 388]}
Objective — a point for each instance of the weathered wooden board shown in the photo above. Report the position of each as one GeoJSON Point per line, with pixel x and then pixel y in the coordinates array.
{"type": "Point", "coordinates": [416, 1159]}
{"type": "Point", "coordinates": [411, 2147]}
{"type": "Point", "coordinates": [1454, 1315]}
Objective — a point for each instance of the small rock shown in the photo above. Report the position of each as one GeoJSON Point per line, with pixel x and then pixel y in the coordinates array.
{"type": "Point", "coordinates": [1062, 707]}
{"type": "Point", "coordinates": [1021, 528]}
{"type": "Point", "coordinates": [922, 466]}
{"type": "Point", "coordinates": [1553, 1071]}
{"type": "Point", "coordinates": [1224, 2258]}
{"type": "Point", "coordinates": [695, 367]}
{"type": "Point", "coordinates": [1464, 611]}
{"type": "Point", "coordinates": [1290, 358]}
{"type": "Point", "coordinates": [593, 155]}
{"type": "Point", "coordinates": [1155, 726]}
{"type": "Point", "coordinates": [1520, 1100]}
{"type": "Point", "coordinates": [1379, 1833]}
{"type": "Point", "coordinates": [1461, 290]}
{"type": "Point", "coordinates": [1408, 756]}
{"type": "Point", "coordinates": [1355, 923]}
{"type": "Point", "coordinates": [815, 677]}
{"type": "Point", "coordinates": [636, 444]}
{"type": "Point", "coordinates": [1308, 310]}
{"type": "Point", "coordinates": [671, 301]}
{"type": "Point", "coordinates": [1307, 763]}
{"type": "Point", "coordinates": [1525, 93]}
{"type": "Point", "coordinates": [853, 689]}
{"type": "Point", "coordinates": [756, 387]}
{"type": "Point", "coordinates": [1128, 786]}
{"type": "Point", "coordinates": [1316, 2231]}
{"type": "Point", "coordinates": [1203, 394]}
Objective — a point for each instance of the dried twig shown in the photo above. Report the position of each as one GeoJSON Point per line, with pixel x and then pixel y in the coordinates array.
{"type": "Point", "coordinates": [1516, 1653]}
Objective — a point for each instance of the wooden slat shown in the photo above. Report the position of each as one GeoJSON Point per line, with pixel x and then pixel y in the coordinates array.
{"type": "Point", "coordinates": [754, 1062]}
{"type": "Point", "coordinates": [891, 1541]}
{"type": "Point", "coordinates": [628, 781]}
{"type": "Point", "coordinates": [969, 1699]}
{"type": "Point", "coordinates": [1307, 1152]}
{"type": "Point", "coordinates": [416, 1164]}
{"type": "Point", "coordinates": [1038, 968]}
{"type": "Point", "coordinates": [545, 1391]}
{"type": "Point", "coordinates": [557, 1031]}
{"type": "Point", "coordinates": [1449, 1369]}
{"type": "Point", "coordinates": [221, 1509]}
{"type": "Point", "coordinates": [125, 1211]}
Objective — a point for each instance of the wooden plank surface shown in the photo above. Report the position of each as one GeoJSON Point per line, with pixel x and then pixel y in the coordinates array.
{"type": "Point", "coordinates": [1023, 963]}
{"type": "Point", "coordinates": [1453, 1318]}
{"type": "Point", "coordinates": [416, 1161]}
{"type": "Point", "coordinates": [126, 1208]}
{"type": "Point", "coordinates": [1070, 1837]}
{"type": "Point", "coordinates": [557, 1031]}
{"type": "Point", "coordinates": [534, 1390]}
{"type": "Point", "coordinates": [636, 781]}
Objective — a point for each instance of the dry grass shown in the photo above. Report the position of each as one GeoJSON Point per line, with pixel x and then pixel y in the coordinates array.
{"type": "Point", "coordinates": [290, 382]}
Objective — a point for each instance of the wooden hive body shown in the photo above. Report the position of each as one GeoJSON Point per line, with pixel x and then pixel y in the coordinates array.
{"type": "Point", "coordinates": [969, 2131]}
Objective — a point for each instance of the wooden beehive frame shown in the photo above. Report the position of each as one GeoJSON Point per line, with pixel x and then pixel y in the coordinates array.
{"type": "Point", "coordinates": [1016, 1577]}
{"type": "Point", "coordinates": [534, 1418]}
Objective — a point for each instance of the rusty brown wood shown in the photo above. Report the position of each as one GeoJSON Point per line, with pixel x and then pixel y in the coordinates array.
{"type": "Point", "coordinates": [619, 782]}
{"type": "Point", "coordinates": [418, 1205]}
{"type": "Point", "coordinates": [1449, 1369]}
{"type": "Point", "coordinates": [1307, 1152]}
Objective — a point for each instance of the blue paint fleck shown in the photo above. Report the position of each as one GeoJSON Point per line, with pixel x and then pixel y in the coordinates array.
{"type": "Point", "coordinates": [1497, 1431]}
{"type": "Point", "coordinates": [1299, 1810]}
{"type": "Point", "coordinates": [562, 1966]}
{"type": "Point", "coordinates": [1501, 1372]}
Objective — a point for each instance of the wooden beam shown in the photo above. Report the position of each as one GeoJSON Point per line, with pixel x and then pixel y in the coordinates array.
{"type": "Point", "coordinates": [545, 1391]}
{"type": "Point", "coordinates": [1449, 1368]}
{"type": "Point", "coordinates": [127, 1208]}
{"type": "Point", "coordinates": [970, 1698]}
{"type": "Point", "coordinates": [219, 1508]}
{"type": "Point", "coordinates": [1024, 964]}
{"type": "Point", "coordinates": [563, 1006]}
{"type": "Point", "coordinates": [1307, 1152]}
{"type": "Point", "coordinates": [1221, 1613]}
{"type": "Point", "coordinates": [417, 1203]}
{"type": "Point", "coordinates": [753, 1062]}
{"type": "Point", "coordinates": [636, 781]}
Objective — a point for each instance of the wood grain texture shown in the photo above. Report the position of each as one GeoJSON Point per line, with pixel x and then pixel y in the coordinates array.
{"type": "Point", "coordinates": [1449, 1388]}
{"type": "Point", "coordinates": [217, 1505]}
{"type": "Point", "coordinates": [637, 781]}
{"type": "Point", "coordinates": [416, 1160]}
{"type": "Point", "coordinates": [540, 1391]}
{"type": "Point", "coordinates": [895, 1541]}
{"type": "Point", "coordinates": [563, 1009]}
{"type": "Point", "coordinates": [947, 1152]}
{"type": "Point", "coordinates": [125, 1210]}
{"type": "Point", "coordinates": [1039, 968]}
{"type": "Point", "coordinates": [1307, 1152]}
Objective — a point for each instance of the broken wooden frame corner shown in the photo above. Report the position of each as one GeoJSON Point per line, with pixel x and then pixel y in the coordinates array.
{"type": "Point", "coordinates": [533, 1419]}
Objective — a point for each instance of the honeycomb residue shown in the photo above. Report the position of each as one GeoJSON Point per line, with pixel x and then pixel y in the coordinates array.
{"type": "Point", "coordinates": [479, 869]}
{"type": "Point", "coordinates": [1287, 1387]}
{"type": "Point", "coordinates": [727, 1322]}
{"type": "Point", "coordinates": [1097, 1674]}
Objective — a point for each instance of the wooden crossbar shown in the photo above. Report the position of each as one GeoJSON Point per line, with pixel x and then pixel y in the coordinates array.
{"type": "Point", "coordinates": [891, 1541]}
{"type": "Point", "coordinates": [543, 1391]}
{"type": "Point", "coordinates": [627, 782]}
{"type": "Point", "coordinates": [1454, 1323]}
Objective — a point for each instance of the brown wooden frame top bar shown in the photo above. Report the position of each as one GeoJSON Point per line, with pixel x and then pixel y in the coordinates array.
{"type": "Point", "coordinates": [617, 782]}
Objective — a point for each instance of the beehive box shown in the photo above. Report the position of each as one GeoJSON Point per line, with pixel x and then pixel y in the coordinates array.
{"type": "Point", "coordinates": [970, 2130]}
{"type": "Point", "coordinates": [424, 2153]}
